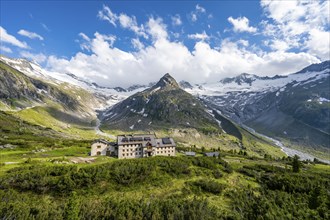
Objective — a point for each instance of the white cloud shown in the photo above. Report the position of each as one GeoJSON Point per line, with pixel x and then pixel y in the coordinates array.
{"type": "Point", "coordinates": [5, 49]}
{"type": "Point", "coordinates": [10, 39]}
{"type": "Point", "coordinates": [156, 28]}
{"type": "Point", "coordinates": [125, 21]}
{"type": "Point", "coordinates": [241, 24]}
{"type": "Point", "coordinates": [39, 58]}
{"type": "Point", "coordinates": [199, 10]}
{"type": "Point", "coordinates": [137, 44]}
{"type": "Point", "coordinates": [107, 15]}
{"type": "Point", "coordinates": [199, 36]}
{"type": "Point", "coordinates": [298, 24]}
{"type": "Point", "coordinates": [84, 36]}
{"type": "Point", "coordinates": [176, 20]}
{"type": "Point", "coordinates": [278, 45]}
{"type": "Point", "coordinates": [193, 17]}
{"type": "Point", "coordinates": [131, 24]}
{"type": "Point", "coordinates": [318, 43]}
{"type": "Point", "coordinates": [29, 34]}
{"type": "Point", "coordinates": [110, 66]}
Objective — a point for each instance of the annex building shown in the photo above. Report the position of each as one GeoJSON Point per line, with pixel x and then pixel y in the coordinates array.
{"type": "Point", "coordinates": [134, 146]}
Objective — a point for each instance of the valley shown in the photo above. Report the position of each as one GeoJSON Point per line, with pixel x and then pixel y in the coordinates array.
{"type": "Point", "coordinates": [47, 127]}
{"type": "Point", "coordinates": [216, 113]}
{"type": "Point", "coordinates": [165, 110]}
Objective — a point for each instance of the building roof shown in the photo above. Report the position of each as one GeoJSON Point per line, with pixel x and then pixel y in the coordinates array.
{"type": "Point", "coordinates": [165, 142]}
{"type": "Point", "coordinates": [101, 141]}
{"type": "Point", "coordinates": [190, 153]}
{"type": "Point", "coordinates": [211, 154]}
{"type": "Point", "coordinates": [143, 139]}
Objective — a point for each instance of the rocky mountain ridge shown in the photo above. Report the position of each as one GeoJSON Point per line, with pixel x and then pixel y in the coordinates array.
{"type": "Point", "coordinates": [162, 106]}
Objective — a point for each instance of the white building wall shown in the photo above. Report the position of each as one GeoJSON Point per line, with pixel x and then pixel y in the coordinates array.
{"type": "Point", "coordinates": [130, 151]}
{"type": "Point", "coordinates": [98, 147]}
{"type": "Point", "coordinates": [165, 151]}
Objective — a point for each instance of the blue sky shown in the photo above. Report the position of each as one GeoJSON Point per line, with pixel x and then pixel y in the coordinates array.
{"type": "Point", "coordinates": [111, 41]}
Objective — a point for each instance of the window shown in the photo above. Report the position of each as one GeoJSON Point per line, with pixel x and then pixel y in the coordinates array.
{"type": "Point", "coordinates": [123, 150]}
{"type": "Point", "coordinates": [123, 155]}
{"type": "Point", "coordinates": [98, 146]}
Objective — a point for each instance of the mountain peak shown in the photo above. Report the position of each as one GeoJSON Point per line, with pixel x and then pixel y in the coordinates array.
{"type": "Point", "coordinates": [317, 67]}
{"type": "Point", "coordinates": [167, 81]}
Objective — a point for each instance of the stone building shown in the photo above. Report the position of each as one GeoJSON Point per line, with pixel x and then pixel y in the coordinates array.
{"type": "Point", "coordinates": [135, 146]}
{"type": "Point", "coordinates": [103, 147]}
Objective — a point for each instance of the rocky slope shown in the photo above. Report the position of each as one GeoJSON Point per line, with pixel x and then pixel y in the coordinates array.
{"type": "Point", "coordinates": [164, 105]}
{"type": "Point", "coordinates": [294, 107]}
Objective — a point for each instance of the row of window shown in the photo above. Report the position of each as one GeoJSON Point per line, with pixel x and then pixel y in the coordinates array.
{"type": "Point", "coordinates": [131, 154]}
{"type": "Point", "coordinates": [165, 152]}
{"type": "Point", "coordinates": [140, 145]}
{"type": "Point", "coordinates": [132, 145]}
{"type": "Point", "coordinates": [137, 149]}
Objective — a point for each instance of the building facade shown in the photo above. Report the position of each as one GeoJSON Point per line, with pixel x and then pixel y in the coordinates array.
{"type": "Point", "coordinates": [135, 146]}
{"type": "Point", "coordinates": [102, 147]}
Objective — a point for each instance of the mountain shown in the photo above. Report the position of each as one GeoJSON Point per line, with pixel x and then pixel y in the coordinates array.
{"type": "Point", "coordinates": [185, 85]}
{"type": "Point", "coordinates": [293, 108]}
{"type": "Point", "coordinates": [61, 107]}
{"type": "Point", "coordinates": [246, 78]}
{"type": "Point", "coordinates": [164, 105]}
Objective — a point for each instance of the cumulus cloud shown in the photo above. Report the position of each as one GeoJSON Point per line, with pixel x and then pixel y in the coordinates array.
{"type": "Point", "coordinates": [318, 43]}
{"type": "Point", "coordinates": [199, 36]}
{"type": "Point", "coordinates": [10, 39]}
{"type": "Point", "coordinates": [241, 24]}
{"type": "Point", "coordinates": [298, 24]}
{"type": "Point", "coordinates": [110, 66]}
{"type": "Point", "coordinates": [156, 28]}
{"type": "Point", "coordinates": [137, 44]}
{"type": "Point", "coordinates": [29, 34]}
{"type": "Point", "coordinates": [39, 57]}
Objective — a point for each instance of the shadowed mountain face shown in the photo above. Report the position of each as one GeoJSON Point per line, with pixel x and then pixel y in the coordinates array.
{"type": "Point", "coordinates": [164, 105]}
{"type": "Point", "coordinates": [19, 90]}
{"type": "Point", "coordinates": [294, 107]}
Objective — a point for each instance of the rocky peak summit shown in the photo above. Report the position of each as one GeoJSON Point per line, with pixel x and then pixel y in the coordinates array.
{"type": "Point", "coordinates": [167, 81]}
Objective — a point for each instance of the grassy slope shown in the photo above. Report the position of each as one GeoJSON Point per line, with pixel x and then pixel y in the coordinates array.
{"type": "Point", "coordinates": [163, 185]}
{"type": "Point", "coordinates": [55, 119]}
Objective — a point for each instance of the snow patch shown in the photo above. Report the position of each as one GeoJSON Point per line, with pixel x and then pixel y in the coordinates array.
{"type": "Point", "coordinates": [141, 112]}
{"type": "Point", "coordinates": [155, 90]}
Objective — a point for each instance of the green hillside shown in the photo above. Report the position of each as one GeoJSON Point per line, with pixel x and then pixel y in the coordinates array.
{"type": "Point", "coordinates": [231, 187]}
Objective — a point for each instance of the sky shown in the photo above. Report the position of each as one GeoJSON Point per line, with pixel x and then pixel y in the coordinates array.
{"type": "Point", "coordinates": [121, 43]}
